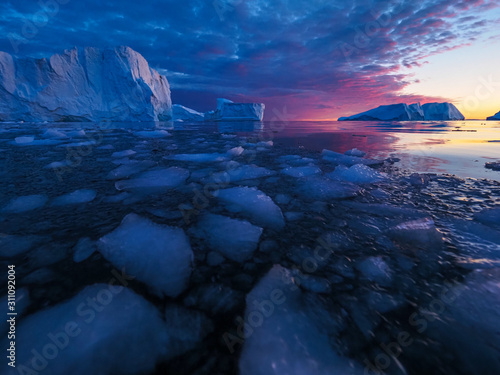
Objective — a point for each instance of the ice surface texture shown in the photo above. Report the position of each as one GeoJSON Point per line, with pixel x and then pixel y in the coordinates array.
{"type": "Point", "coordinates": [87, 84]}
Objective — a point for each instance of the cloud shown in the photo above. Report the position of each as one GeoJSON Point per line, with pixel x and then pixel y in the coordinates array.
{"type": "Point", "coordinates": [318, 58]}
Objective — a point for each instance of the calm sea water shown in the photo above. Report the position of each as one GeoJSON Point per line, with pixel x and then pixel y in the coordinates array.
{"type": "Point", "coordinates": [456, 147]}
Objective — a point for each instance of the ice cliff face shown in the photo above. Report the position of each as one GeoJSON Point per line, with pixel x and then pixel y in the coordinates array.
{"type": "Point", "coordinates": [494, 117]}
{"type": "Point", "coordinates": [229, 111]}
{"type": "Point", "coordinates": [412, 112]}
{"type": "Point", "coordinates": [83, 85]}
{"type": "Point", "coordinates": [442, 112]}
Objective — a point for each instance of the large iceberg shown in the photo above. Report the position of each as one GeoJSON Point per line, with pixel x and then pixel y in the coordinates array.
{"type": "Point", "coordinates": [87, 84]}
{"type": "Point", "coordinates": [409, 112]}
{"type": "Point", "coordinates": [442, 112]}
{"type": "Point", "coordinates": [393, 112]}
{"type": "Point", "coordinates": [229, 111]}
{"type": "Point", "coordinates": [495, 117]}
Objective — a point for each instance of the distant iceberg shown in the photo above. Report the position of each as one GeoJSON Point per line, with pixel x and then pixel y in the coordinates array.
{"type": "Point", "coordinates": [494, 117]}
{"type": "Point", "coordinates": [442, 112]}
{"type": "Point", "coordinates": [181, 113]}
{"type": "Point", "coordinates": [230, 111]}
{"type": "Point", "coordinates": [87, 84]}
{"type": "Point", "coordinates": [411, 112]}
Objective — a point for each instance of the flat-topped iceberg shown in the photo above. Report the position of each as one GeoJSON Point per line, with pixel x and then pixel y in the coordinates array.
{"type": "Point", "coordinates": [409, 112]}
{"type": "Point", "coordinates": [87, 84]}
{"type": "Point", "coordinates": [229, 111]}
{"type": "Point", "coordinates": [495, 117]}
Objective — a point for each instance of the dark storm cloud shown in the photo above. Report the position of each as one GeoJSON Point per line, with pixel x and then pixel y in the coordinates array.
{"type": "Point", "coordinates": [307, 53]}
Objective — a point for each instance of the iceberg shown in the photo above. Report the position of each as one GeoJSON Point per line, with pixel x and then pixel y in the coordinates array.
{"type": "Point", "coordinates": [495, 117]}
{"type": "Point", "coordinates": [87, 84]}
{"type": "Point", "coordinates": [229, 111]}
{"type": "Point", "coordinates": [441, 112]}
{"type": "Point", "coordinates": [393, 112]}
{"type": "Point", "coordinates": [184, 114]}
{"type": "Point", "coordinates": [409, 112]}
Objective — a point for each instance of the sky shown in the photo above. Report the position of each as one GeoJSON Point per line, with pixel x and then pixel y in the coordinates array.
{"type": "Point", "coordinates": [305, 59]}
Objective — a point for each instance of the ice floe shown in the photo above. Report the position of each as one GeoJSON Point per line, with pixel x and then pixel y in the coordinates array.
{"type": "Point", "coordinates": [74, 336]}
{"type": "Point", "coordinates": [129, 169]}
{"type": "Point", "coordinates": [304, 171]}
{"type": "Point", "coordinates": [319, 188]}
{"type": "Point", "coordinates": [358, 174]}
{"type": "Point", "coordinates": [25, 203]}
{"type": "Point", "coordinates": [254, 205]}
{"type": "Point", "coordinates": [76, 197]}
{"type": "Point", "coordinates": [235, 239]}
{"type": "Point", "coordinates": [157, 255]}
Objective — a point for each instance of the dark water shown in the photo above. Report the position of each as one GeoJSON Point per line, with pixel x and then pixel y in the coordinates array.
{"type": "Point", "coordinates": [399, 242]}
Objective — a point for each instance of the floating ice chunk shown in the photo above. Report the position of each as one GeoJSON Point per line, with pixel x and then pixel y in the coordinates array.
{"type": "Point", "coordinates": [358, 174]}
{"type": "Point", "coordinates": [235, 239]}
{"type": "Point", "coordinates": [157, 255]}
{"type": "Point", "coordinates": [59, 164]}
{"type": "Point", "coordinates": [31, 141]}
{"type": "Point", "coordinates": [294, 216]}
{"type": "Point", "coordinates": [153, 134]}
{"type": "Point", "coordinates": [106, 147]}
{"type": "Point", "coordinates": [265, 144]}
{"type": "Point", "coordinates": [254, 205]}
{"type": "Point", "coordinates": [301, 171]}
{"type": "Point", "coordinates": [25, 203]}
{"type": "Point", "coordinates": [355, 152]}
{"type": "Point", "coordinates": [245, 172]}
{"type": "Point", "coordinates": [186, 329]}
{"type": "Point", "coordinates": [337, 158]}
{"type": "Point", "coordinates": [198, 158]}
{"type": "Point", "coordinates": [40, 276]}
{"type": "Point", "coordinates": [420, 232]}
{"type": "Point", "coordinates": [77, 133]}
{"type": "Point", "coordinates": [24, 140]}
{"type": "Point", "coordinates": [236, 151]}
{"type": "Point", "coordinates": [127, 170]}
{"type": "Point", "coordinates": [79, 144]}
{"type": "Point", "coordinates": [376, 269]}
{"type": "Point", "coordinates": [12, 245]}
{"type": "Point", "coordinates": [318, 188]}
{"type": "Point", "coordinates": [76, 197]}
{"type": "Point", "coordinates": [494, 165]}
{"type": "Point", "coordinates": [54, 134]}
{"type": "Point", "coordinates": [122, 154]}
{"type": "Point", "coordinates": [165, 178]}
{"type": "Point", "coordinates": [117, 198]}
{"type": "Point", "coordinates": [288, 339]}
{"type": "Point", "coordinates": [228, 136]}
{"type": "Point", "coordinates": [83, 327]}
{"type": "Point", "coordinates": [84, 249]}
{"type": "Point", "coordinates": [282, 198]}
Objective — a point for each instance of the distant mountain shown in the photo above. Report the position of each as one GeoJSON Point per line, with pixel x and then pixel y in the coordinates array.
{"type": "Point", "coordinates": [412, 112]}
{"type": "Point", "coordinates": [494, 117]}
{"type": "Point", "coordinates": [89, 84]}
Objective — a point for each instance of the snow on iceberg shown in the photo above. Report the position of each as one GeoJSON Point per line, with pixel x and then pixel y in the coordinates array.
{"type": "Point", "coordinates": [254, 205]}
{"type": "Point", "coordinates": [104, 329]}
{"type": "Point", "coordinates": [89, 84]}
{"type": "Point", "coordinates": [184, 114]}
{"type": "Point", "coordinates": [235, 239]}
{"type": "Point", "coordinates": [283, 336]}
{"type": "Point", "coordinates": [229, 111]}
{"type": "Point", "coordinates": [441, 112]}
{"type": "Point", "coordinates": [158, 255]}
{"type": "Point", "coordinates": [495, 117]}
